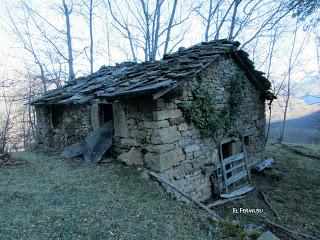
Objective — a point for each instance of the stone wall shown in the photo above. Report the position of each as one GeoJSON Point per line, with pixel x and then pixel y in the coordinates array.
{"type": "Point", "coordinates": [174, 148]}
{"type": "Point", "coordinates": [197, 157]}
{"type": "Point", "coordinates": [71, 124]}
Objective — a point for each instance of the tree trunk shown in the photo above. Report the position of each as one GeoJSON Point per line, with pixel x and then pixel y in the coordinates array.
{"type": "Point", "coordinates": [170, 26]}
{"type": "Point", "coordinates": [91, 35]}
{"type": "Point", "coordinates": [287, 97]}
{"type": "Point", "coordinates": [233, 20]}
{"type": "Point", "coordinates": [69, 40]}
{"type": "Point", "coordinates": [223, 20]}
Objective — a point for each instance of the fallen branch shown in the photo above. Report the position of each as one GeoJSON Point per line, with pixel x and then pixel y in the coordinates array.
{"type": "Point", "coordinates": [266, 200]}
{"type": "Point", "coordinates": [194, 201]}
{"type": "Point", "coordinates": [223, 201]}
{"type": "Point", "coordinates": [289, 231]}
{"type": "Point", "coordinates": [302, 153]}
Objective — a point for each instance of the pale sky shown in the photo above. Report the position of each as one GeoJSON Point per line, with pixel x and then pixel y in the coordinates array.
{"type": "Point", "coordinates": [12, 53]}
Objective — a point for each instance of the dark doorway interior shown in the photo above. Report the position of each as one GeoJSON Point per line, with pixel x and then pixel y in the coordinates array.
{"type": "Point", "coordinates": [105, 113]}
{"type": "Point", "coordinates": [56, 115]}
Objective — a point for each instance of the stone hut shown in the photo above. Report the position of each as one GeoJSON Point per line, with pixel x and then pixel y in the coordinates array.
{"type": "Point", "coordinates": [196, 117]}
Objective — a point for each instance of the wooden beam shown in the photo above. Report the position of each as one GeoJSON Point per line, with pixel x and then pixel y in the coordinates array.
{"type": "Point", "coordinates": [239, 192]}
{"type": "Point", "coordinates": [263, 164]}
{"type": "Point", "coordinates": [245, 159]}
{"type": "Point", "coordinates": [223, 201]}
{"type": "Point", "coordinates": [233, 158]}
{"type": "Point", "coordinates": [235, 167]}
{"type": "Point", "coordinates": [266, 200]}
{"type": "Point", "coordinates": [223, 170]}
{"type": "Point", "coordinates": [236, 177]}
{"type": "Point", "coordinates": [163, 92]}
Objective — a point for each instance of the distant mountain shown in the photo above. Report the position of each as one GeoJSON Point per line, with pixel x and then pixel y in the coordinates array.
{"type": "Point", "coordinates": [309, 90]}
{"type": "Point", "coordinates": [302, 125]}
{"type": "Point", "coordinates": [297, 109]}
{"type": "Point", "coordinates": [310, 99]}
{"type": "Point", "coordinates": [305, 129]}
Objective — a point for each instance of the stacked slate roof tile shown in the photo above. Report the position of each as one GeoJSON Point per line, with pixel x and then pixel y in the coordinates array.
{"type": "Point", "coordinates": [151, 77]}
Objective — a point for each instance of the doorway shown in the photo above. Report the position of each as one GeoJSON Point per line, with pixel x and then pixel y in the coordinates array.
{"type": "Point", "coordinates": [105, 113]}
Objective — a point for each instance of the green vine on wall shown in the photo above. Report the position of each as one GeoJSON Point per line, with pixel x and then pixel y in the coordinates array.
{"type": "Point", "coordinates": [206, 117]}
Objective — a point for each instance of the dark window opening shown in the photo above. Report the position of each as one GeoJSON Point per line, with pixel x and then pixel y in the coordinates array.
{"type": "Point", "coordinates": [105, 113]}
{"type": "Point", "coordinates": [228, 166]}
{"type": "Point", "coordinates": [229, 149]}
{"type": "Point", "coordinates": [226, 150]}
{"type": "Point", "coordinates": [56, 115]}
{"type": "Point", "coordinates": [246, 141]}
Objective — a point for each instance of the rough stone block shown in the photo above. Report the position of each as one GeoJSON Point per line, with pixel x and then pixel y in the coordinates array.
{"type": "Point", "coordinates": [161, 124]}
{"type": "Point", "coordinates": [182, 170]}
{"type": "Point", "coordinates": [268, 236]}
{"type": "Point", "coordinates": [94, 114]}
{"type": "Point", "coordinates": [197, 154]}
{"type": "Point", "coordinates": [132, 158]}
{"type": "Point", "coordinates": [159, 148]}
{"type": "Point", "coordinates": [167, 114]}
{"type": "Point", "coordinates": [191, 148]}
{"type": "Point", "coordinates": [138, 134]}
{"type": "Point", "coordinates": [166, 135]}
{"type": "Point", "coordinates": [129, 142]}
{"type": "Point", "coordinates": [165, 105]}
{"type": "Point", "coordinates": [184, 142]}
{"type": "Point", "coordinates": [197, 164]}
{"type": "Point", "coordinates": [120, 124]}
{"type": "Point", "coordinates": [176, 121]}
{"type": "Point", "coordinates": [189, 156]}
{"type": "Point", "coordinates": [164, 161]}
{"type": "Point", "coordinates": [182, 127]}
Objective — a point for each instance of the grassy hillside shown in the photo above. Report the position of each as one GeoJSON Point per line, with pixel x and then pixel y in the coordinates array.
{"type": "Point", "coordinates": [51, 198]}
{"type": "Point", "coordinates": [292, 187]}
{"type": "Point", "coordinates": [45, 197]}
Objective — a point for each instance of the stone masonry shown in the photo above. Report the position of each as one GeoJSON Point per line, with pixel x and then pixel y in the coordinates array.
{"type": "Point", "coordinates": [72, 125]}
{"type": "Point", "coordinates": [175, 148]}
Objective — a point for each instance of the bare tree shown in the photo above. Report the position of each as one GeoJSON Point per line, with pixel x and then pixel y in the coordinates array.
{"type": "Point", "coordinates": [222, 21]}
{"type": "Point", "coordinates": [248, 20]}
{"type": "Point", "coordinates": [87, 11]}
{"type": "Point", "coordinates": [207, 17]}
{"type": "Point", "coordinates": [32, 31]}
{"type": "Point", "coordinates": [233, 20]}
{"type": "Point", "coordinates": [67, 11]}
{"type": "Point", "coordinates": [293, 59]}
{"type": "Point", "coordinates": [24, 36]}
{"type": "Point", "coordinates": [6, 123]}
{"type": "Point", "coordinates": [148, 26]}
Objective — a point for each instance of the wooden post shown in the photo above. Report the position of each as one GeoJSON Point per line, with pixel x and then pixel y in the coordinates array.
{"type": "Point", "coordinates": [245, 158]}
{"type": "Point", "coordinates": [223, 170]}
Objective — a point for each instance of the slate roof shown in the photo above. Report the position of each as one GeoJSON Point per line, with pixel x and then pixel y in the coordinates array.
{"type": "Point", "coordinates": [153, 77]}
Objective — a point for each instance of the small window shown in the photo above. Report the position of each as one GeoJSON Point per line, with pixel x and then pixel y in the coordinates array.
{"type": "Point", "coordinates": [105, 113]}
{"type": "Point", "coordinates": [229, 149]}
{"type": "Point", "coordinates": [56, 116]}
{"type": "Point", "coordinates": [246, 141]}
{"type": "Point", "coordinates": [226, 150]}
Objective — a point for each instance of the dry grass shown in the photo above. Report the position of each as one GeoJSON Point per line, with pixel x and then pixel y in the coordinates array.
{"type": "Point", "coordinates": [51, 198]}
{"type": "Point", "coordinates": [292, 186]}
